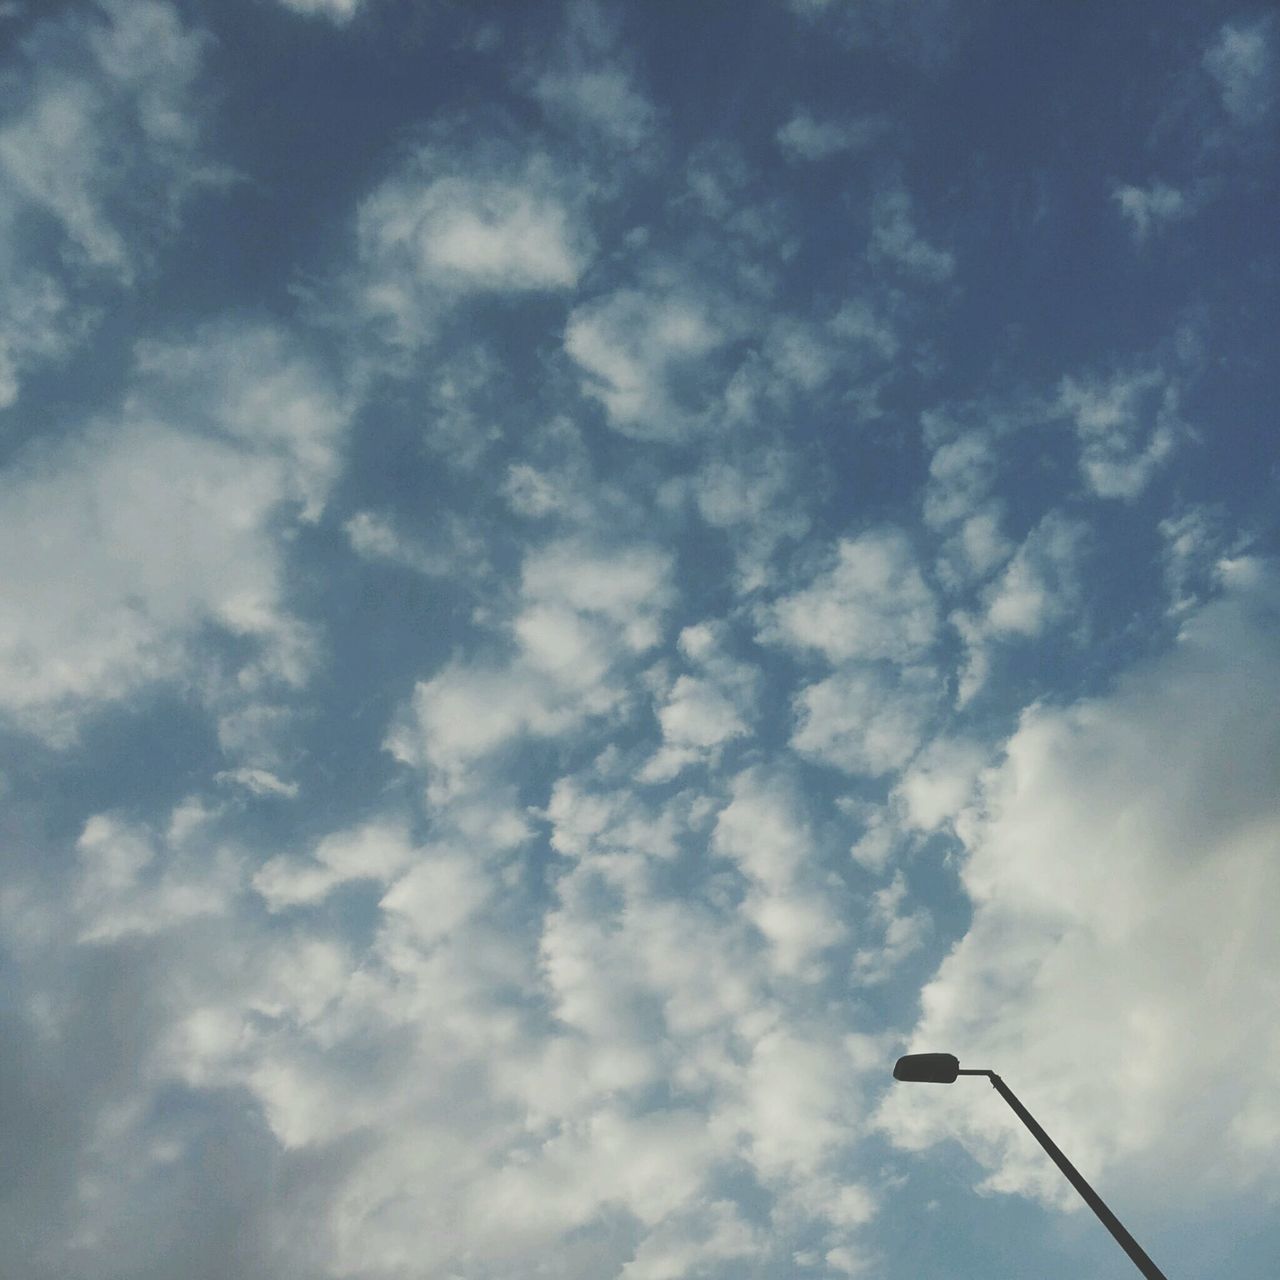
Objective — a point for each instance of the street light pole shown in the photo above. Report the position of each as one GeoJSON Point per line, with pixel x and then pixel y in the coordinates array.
{"type": "Point", "coordinates": [943, 1068]}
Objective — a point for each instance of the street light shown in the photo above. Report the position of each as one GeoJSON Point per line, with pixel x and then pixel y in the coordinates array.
{"type": "Point", "coordinates": [943, 1068]}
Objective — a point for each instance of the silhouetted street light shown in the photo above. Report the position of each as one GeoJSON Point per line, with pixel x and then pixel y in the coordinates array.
{"type": "Point", "coordinates": [942, 1068]}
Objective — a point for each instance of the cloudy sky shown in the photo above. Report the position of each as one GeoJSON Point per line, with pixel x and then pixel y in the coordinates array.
{"type": "Point", "coordinates": [577, 578]}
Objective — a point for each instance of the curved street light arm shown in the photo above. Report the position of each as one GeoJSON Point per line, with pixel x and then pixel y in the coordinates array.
{"type": "Point", "coordinates": [1089, 1195]}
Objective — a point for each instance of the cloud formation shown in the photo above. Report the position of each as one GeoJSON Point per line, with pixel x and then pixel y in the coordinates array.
{"type": "Point", "coordinates": [140, 532]}
{"type": "Point", "coordinates": [1127, 426]}
{"type": "Point", "coordinates": [1091, 853]}
{"type": "Point", "coordinates": [608, 584]}
{"type": "Point", "coordinates": [1241, 59]}
{"type": "Point", "coordinates": [1148, 209]}
{"type": "Point", "coordinates": [100, 151]}
{"type": "Point", "coordinates": [804, 137]}
{"type": "Point", "coordinates": [451, 224]}
{"type": "Point", "coordinates": [871, 603]}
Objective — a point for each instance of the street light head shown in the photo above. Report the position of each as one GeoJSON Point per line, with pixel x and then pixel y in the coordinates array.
{"type": "Point", "coordinates": [935, 1068]}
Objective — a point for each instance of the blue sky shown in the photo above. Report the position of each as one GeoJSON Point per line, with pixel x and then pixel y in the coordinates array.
{"type": "Point", "coordinates": [577, 578]}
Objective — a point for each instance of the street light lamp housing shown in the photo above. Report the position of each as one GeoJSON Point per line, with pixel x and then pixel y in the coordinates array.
{"type": "Point", "coordinates": [929, 1068]}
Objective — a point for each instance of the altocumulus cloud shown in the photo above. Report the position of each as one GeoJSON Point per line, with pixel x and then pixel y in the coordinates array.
{"type": "Point", "coordinates": [99, 150]}
{"type": "Point", "coordinates": [156, 522]}
{"type": "Point", "coordinates": [559, 612]}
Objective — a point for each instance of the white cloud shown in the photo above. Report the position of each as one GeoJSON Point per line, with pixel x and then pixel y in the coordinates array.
{"type": "Point", "coordinates": [560, 482]}
{"type": "Point", "coordinates": [1150, 208]}
{"type": "Point", "coordinates": [1121, 868]}
{"type": "Point", "coordinates": [764, 832]}
{"type": "Point", "coordinates": [1242, 61]}
{"type": "Point", "coordinates": [762, 829]}
{"type": "Point", "coordinates": [376, 852]}
{"type": "Point", "coordinates": [474, 233]}
{"type": "Point", "coordinates": [374, 537]}
{"type": "Point", "coordinates": [649, 985]}
{"type": "Point", "coordinates": [82, 631]}
{"type": "Point", "coordinates": [466, 403]}
{"type": "Point", "coordinates": [589, 83]}
{"type": "Point", "coordinates": [462, 714]}
{"type": "Point", "coordinates": [741, 493]}
{"type": "Point", "coordinates": [975, 549]}
{"type": "Point", "coordinates": [795, 1097]}
{"type": "Point", "coordinates": [940, 782]}
{"type": "Point", "coordinates": [377, 537]}
{"type": "Point", "coordinates": [753, 497]}
{"type": "Point", "coordinates": [129, 884]}
{"type": "Point", "coordinates": [36, 323]}
{"type": "Point", "coordinates": [879, 838]}
{"type": "Point", "coordinates": [869, 330]}
{"type": "Point", "coordinates": [695, 716]}
{"type": "Point", "coordinates": [603, 97]}
{"type": "Point", "coordinates": [126, 541]}
{"type": "Point", "coordinates": [869, 343]}
{"type": "Point", "coordinates": [454, 222]}
{"type": "Point", "coordinates": [259, 782]}
{"type": "Point", "coordinates": [254, 731]}
{"type": "Point", "coordinates": [699, 713]}
{"type": "Point", "coordinates": [931, 793]}
{"type": "Point", "coordinates": [609, 820]}
{"type": "Point", "coordinates": [257, 385]}
{"type": "Point", "coordinates": [477, 1082]}
{"type": "Point", "coordinates": [628, 588]}
{"type": "Point", "coordinates": [798, 924]}
{"type": "Point", "coordinates": [648, 1166]}
{"type": "Point", "coordinates": [865, 719]}
{"type": "Point", "coordinates": [1127, 425]}
{"type": "Point", "coordinates": [902, 933]}
{"type": "Point", "coordinates": [103, 149]}
{"type": "Point", "coordinates": [581, 1023]}
{"type": "Point", "coordinates": [339, 11]}
{"type": "Point", "coordinates": [710, 1233]}
{"type": "Point", "coordinates": [442, 888]}
{"type": "Point", "coordinates": [961, 474]}
{"type": "Point", "coordinates": [894, 239]}
{"type": "Point", "coordinates": [531, 492]}
{"type": "Point", "coordinates": [583, 611]}
{"type": "Point", "coordinates": [801, 366]}
{"type": "Point", "coordinates": [801, 354]}
{"type": "Point", "coordinates": [626, 960]}
{"type": "Point", "coordinates": [1194, 542]}
{"type": "Point", "coordinates": [1040, 584]}
{"type": "Point", "coordinates": [1038, 588]}
{"type": "Point", "coordinates": [642, 350]}
{"type": "Point", "coordinates": [805, 138]}
{"type": "Point", "coordinates": [497, 238]}
{"type": "Point", "coordinates": [872, 603]}
{"type": "Point", "coordinates": [961, 499]}
{"type": "Point", "coordinates": [62, 154]}
{"type": "Point", "coordinates": [722, 191]}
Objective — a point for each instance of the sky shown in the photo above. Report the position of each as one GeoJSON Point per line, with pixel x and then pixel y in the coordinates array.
{"type": "Point", "coordinates": [576, 578]}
